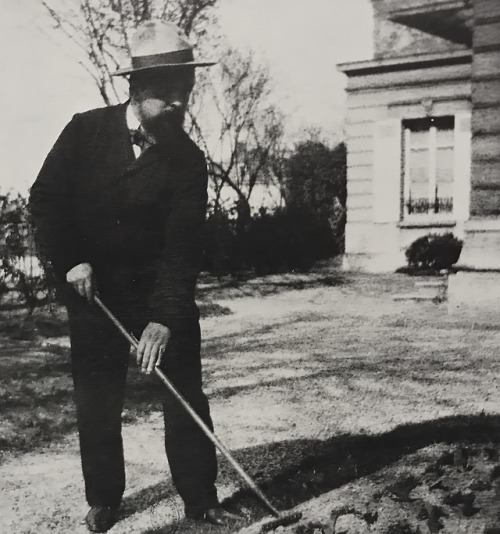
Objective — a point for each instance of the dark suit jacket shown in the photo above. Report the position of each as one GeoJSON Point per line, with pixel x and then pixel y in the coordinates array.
{"type": "Point", "coordinates": [94, 202]}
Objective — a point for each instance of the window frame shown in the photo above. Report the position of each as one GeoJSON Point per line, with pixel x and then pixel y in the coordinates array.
{"type": "Point", "coordinates": [430, 216]}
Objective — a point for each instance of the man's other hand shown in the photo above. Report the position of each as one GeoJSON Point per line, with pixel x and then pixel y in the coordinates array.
{"type": "Point", "coordinates": [152, 345]}
{"type": "Point", "coordinates": [81, 277]}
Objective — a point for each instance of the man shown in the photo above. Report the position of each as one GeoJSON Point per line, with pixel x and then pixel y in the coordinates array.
{"type": "Point", "coordinates": [119, 207]}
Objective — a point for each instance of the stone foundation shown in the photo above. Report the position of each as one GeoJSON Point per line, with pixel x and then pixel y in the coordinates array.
{"type": "Point", "coordinates": [475, 296]}
{"type": "Point", "coordinates": [481, 248]}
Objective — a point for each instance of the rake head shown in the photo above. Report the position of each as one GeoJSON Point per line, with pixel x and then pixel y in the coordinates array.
{"type": "Point", "coordinates": [282, 521]}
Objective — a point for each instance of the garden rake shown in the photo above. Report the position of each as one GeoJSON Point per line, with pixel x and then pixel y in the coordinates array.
{"type": "Point", "coordinates": [281, 518]}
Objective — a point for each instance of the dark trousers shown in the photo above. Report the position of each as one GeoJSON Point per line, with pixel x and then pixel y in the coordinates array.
{"type": "Point", "coordinates": [100, 358]}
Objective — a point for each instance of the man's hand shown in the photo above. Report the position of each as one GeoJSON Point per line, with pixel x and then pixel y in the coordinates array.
{"type": "Point", "coordinates": [81, 277]}
{"type": "Point", "coordinates": [152, 345]}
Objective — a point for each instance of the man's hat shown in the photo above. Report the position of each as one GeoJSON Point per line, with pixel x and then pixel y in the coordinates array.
{"type": "Point", "coordinates": [158, 44]}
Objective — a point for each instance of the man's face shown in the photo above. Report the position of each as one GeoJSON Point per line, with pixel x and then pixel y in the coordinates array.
{"type": "Point", "coordinates": [160, 97]}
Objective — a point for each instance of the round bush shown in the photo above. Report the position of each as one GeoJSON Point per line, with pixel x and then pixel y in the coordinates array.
{"type": "Point", "coordinates": [434, 251]}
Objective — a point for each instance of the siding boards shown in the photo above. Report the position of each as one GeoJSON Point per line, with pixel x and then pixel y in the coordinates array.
{"type": "Point", "coordinates": [486, 121]}
{"type": "Point", "coordinates": [486, 64]}
{"type": "Point", "coordinates": [359, 158]}
{"type": "Point", "coordinates": [485, 173]}
{"type": "Point", "coordinates": [485, 202]}
{"type": "Point", "coordinates": [486, 146]}
{"type": "Point", "coordinates": [486, 8]}
{"type": "Point", "coordinates": [392, 96]}
{"type": "Point", "coordinates": [364, 201]}
{"type": "Point", "coordinates": [360, 187]}
{"type": "Point", "coordinates": [485, 188]}
{"type": "Point", "coordinates": [487, 34]}
{"type": "Point", "coordinates": [360, 144]}
{"type": "Point", "coordinates": [486, 92]}
{"type": "Point", "coordinates": [359, 215]}
{"type": "Point", "coordinates": [361, 173]}
{"type": "Point", "coordinates": [389, 80]}
{"type": "Point", "coordinates": [359, 129]}
{"type": "Point", "coordinates": [359, 118]}
{"type": "Point", "coordinates": [485, 181]}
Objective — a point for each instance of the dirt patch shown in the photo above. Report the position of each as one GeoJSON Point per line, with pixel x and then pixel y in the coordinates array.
{"type": "Point", "coordinates": [452, 487]}
{"type": "Point", "coordinates": [431, 491]}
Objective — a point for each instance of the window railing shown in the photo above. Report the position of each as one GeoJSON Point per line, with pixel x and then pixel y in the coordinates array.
{"type": "Point", "coordinates": [419, 206]}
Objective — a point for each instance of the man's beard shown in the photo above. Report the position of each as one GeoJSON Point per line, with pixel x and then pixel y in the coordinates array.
{"type": "Point", "coordinates": [165, 126]}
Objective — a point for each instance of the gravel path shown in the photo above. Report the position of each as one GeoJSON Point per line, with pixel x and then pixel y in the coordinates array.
{"type": "Point", "coordinates": [285, 374]}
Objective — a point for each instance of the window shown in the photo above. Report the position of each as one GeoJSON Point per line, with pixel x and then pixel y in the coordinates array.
{"type": "Point", "coordinates": [429, 155]}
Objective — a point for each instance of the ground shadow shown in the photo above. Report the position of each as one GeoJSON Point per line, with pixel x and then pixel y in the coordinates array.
{"type": "Point", "coordinates": [250, 285]}
{"type": "Point", "coordinates": [291, 472]}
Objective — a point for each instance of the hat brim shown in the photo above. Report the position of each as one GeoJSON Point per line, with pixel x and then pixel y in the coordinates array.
{"type": "Point", "coordinates": [130, 69]}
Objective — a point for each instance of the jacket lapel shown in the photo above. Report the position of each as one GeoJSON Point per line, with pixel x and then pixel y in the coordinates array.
{"type": "Point", "coordinates": [113, 148]}
{"type": "Point", "coordinates": [145, 159]}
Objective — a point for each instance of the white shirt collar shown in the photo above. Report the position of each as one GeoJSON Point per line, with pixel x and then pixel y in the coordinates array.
{"type": "Point", "coordinates": [133, 122]}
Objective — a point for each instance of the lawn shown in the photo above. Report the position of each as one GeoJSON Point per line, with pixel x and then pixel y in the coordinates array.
{"type": "Point", "coordinates": [316, 382]}
{"type": "Point", "coordinates": [35, 379]}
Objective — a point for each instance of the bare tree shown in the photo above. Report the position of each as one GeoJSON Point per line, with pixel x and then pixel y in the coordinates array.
{"type": "Point", "coordinates": [240, 129]}
{"type": "Point", "coordinates": [99, 29]}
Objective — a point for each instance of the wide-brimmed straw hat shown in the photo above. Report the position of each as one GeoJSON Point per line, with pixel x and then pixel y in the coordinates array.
{"type": "Point", "coordinates": [157, 44]}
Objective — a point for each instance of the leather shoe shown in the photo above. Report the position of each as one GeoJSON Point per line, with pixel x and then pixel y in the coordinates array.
{"type": "Point", "coordinates": [216, 516]}
{"type": "Point", "coordinates": [100, 518]}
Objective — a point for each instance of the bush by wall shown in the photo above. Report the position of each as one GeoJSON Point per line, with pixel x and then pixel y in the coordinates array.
{"type": "Point", "coordinates": [434, 251]}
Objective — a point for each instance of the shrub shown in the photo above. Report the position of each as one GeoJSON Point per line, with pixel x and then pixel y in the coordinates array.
{"type": "Point", "coordinates": [288, 239]}
{"type": "Point", "coordinates": [270, 242]}
{"type": "Point", "coordinates": [23, 277]}
{"type": "Point", "coordinates": [218, 244]}
{"type": "Point", "coordinates": [434, 251]}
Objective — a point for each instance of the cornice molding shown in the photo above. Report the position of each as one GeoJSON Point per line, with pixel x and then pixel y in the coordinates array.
{"type": "Point", "coordinates": [411, 62]}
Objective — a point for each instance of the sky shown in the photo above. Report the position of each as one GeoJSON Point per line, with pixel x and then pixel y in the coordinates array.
{"type": "Point", "coordinates": [301, 41]}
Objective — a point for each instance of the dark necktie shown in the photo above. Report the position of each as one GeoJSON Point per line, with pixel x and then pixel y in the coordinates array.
{"type": "Point", "coordinates": [140, 138]}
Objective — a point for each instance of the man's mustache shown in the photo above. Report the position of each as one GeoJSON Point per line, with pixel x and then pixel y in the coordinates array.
{"type": "Point", "coordinates": [164, 124]}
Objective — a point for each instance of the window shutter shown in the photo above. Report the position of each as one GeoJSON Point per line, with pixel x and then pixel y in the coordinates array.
{"type": "Point", "coordinates": [387, 165]}
{"type": "Point", "coordinates": [462, 164]}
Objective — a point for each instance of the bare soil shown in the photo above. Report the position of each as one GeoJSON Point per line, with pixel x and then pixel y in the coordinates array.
{"type": "Point", "coordinates": [368, 415]}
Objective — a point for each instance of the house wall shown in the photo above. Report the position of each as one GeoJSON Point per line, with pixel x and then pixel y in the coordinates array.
{"type": "Point", "coordinates": [383, 95]}
{"type": "Point", "coordinates": [482, 232]}
{"type": "Point", "coordinates": [372, 99]}
{"type": "Point", "coordinates": [393, 40]}
{"type": "Point", "coordinates": [485, 194]}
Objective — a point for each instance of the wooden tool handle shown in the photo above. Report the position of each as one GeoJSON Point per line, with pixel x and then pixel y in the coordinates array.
{"type": "Point", "coordinates": [222, 448]}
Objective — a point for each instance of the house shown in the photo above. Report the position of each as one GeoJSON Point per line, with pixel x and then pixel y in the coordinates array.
{"type": "Point", "coordinates": [423, 133]}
